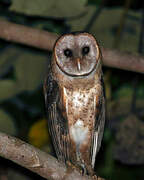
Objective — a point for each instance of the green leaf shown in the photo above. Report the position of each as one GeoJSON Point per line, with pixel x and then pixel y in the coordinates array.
{"type": "Point", "coordinates": [7, 58]}
{"type": "Point", "coordinates": [8, 88]}
{"type": "Point", "coordinates": [30, 68]}
{"type": "Point", "coordinates": [52, 8]}
{"type": "Point", "coordinates": [78, 24]}
{"type": "Point", "coordinates": [7, 124]}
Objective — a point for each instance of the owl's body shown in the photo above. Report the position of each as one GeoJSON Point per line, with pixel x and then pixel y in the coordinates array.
{"type": "Point", "coordinates": [75, 105]}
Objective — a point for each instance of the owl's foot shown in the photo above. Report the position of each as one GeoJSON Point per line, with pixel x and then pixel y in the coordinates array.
{"type": "Point", "coordinates": [70, 165]}
{"type": "Point", "coordinates": [95, 177]}
{"type": "Point", "coordinates": [78, 167]}
{"type": "Point", "coordinates": [83, 170]}
{"type": "Point", "coordinates": [91, 172]}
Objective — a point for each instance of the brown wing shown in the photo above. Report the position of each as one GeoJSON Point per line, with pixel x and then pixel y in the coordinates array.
{"type": "Point", "coordinates": [99, 125]}
{"type": "Point", "coordinates": [57, 125]}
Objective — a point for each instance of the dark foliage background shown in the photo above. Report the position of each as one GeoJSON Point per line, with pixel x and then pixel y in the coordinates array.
{"type": "Point", "coordinates": [116, 24]}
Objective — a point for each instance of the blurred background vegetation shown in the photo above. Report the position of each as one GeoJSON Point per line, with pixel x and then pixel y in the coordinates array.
{"type": "Point", "coordinates": [115, 24]}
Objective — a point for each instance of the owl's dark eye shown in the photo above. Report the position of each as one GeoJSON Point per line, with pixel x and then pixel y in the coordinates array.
{"type": "Point", "coordinates": [85, 50]}
{"type": "Point", "coordinates": [68, 53]}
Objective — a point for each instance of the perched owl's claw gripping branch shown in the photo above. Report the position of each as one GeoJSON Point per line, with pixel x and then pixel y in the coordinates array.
{"type": "Point", "coordinates": [45, 40]}
{"type": "Point", "coordinates": [35, 160]}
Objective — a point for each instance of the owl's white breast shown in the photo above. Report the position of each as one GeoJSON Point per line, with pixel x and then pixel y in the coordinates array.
{"type": "Point", "coordinates": [80, 110]}
{"type": "Point", "coordinates": [78, 132]}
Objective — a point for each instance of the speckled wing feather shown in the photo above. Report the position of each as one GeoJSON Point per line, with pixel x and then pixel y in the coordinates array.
{"type": "Point", "coordinates": [56, 123]}
{"type": "Point", "coordinates": [99, 125]}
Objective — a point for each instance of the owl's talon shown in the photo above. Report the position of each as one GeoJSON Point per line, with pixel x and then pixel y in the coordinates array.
{"type": "Point", "coordinates": [70, 165]}
{"type": "Point", "coordinates": [77, 167]}
{"type": "Point", "coordinates": [95, 177]}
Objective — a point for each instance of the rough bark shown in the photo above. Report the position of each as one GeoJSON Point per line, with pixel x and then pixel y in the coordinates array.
{"type": "Point", "coordinates": [37, 161]}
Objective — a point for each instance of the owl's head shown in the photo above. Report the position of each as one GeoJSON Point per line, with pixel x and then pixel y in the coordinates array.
{"type": "Point", "coordinates": [76, 54]}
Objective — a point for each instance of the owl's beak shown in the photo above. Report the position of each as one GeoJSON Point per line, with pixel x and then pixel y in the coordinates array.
{"type": "Point", "coordinates": [78, 64]}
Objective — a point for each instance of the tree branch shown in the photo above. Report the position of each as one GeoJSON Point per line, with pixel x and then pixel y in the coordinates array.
{"type": "Point", "coordinates": [45, 40]}
{"type": "Point", "coordinates": [27, 35]}
{"type": "Point", "coordinates": [35, 160]}
{"type": "Point", "coordinates": [123, 60]}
